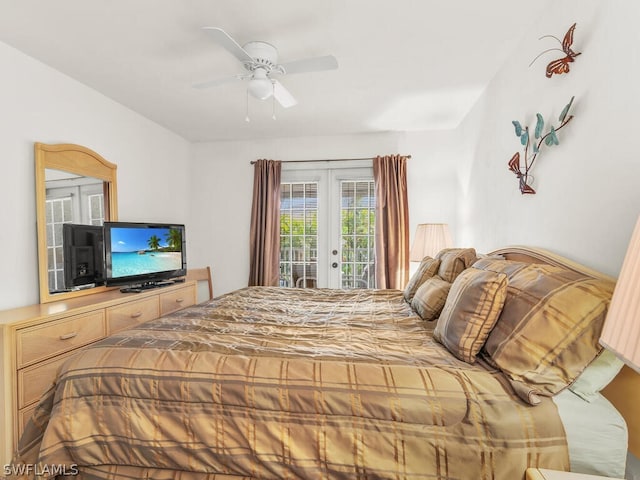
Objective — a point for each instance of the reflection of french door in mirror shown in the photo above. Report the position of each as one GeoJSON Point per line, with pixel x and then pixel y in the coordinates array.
{"type": "Point", "coordinates": [327, 228]}
{"type": "Point", "coordinates": [75, 200]}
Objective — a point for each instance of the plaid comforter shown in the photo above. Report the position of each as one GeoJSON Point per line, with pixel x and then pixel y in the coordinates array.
{"type": "Point", "coordinates": [276, 383]}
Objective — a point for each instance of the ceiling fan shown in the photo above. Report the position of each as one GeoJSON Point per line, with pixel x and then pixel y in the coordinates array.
{"type": "Point", "coordinates": [260, 59]}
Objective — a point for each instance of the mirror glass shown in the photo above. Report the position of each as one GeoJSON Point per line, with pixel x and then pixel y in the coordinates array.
{"type": "Point", "coordinates": [73, 185]}
{"type": "Point", "coordinates": [70, 198]}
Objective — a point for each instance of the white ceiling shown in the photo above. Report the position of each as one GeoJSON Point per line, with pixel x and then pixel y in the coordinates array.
{"type": "Point", "coordinates": [403, 64]}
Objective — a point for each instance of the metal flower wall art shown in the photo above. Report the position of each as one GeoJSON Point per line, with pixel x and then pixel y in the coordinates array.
{"type": "Point", "coordinates": [560, 65]}
{"type": "Point", "coordinates": [521, 165]}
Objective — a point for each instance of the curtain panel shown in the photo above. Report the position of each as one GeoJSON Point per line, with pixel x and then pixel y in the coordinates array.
{"type": "Point", "coordinates": [264, 263]}
{"type": "Point", "coordinates": [392, 221]}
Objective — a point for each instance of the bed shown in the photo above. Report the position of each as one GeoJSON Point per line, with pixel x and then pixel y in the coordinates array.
{"type": "Point", "coordinates": [275, 383]}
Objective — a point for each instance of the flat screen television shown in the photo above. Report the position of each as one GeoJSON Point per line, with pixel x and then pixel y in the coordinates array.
{"type": "Point", "coordinates": [144, 255]}
{"type": "Point", "coordinates": [83, 255]}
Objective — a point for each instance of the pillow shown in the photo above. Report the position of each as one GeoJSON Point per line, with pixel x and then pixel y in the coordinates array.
{"type": "Point", "coordinates": [596, 376]}
{"type": "Point", "coordinates": [549, 327]}
{"type": "Point", "coordinates": [427, 269]}
{"type": "Point", "coordinates": [430, 298]}
{"type": "Point", "coordinates": [471, 310]}
{"type": "Point", "coordinates": [453, 261]}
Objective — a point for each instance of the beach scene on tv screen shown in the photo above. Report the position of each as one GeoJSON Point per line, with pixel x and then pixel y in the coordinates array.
{"type": "Point", "coordinates": [139, 251]}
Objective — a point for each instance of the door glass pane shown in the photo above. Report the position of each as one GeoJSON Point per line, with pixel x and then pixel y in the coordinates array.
{"type": "Point", "coordinates": [299, 234]}
{"type": "Point", "coordinates": [96, 209]}
{"type": "Point", "coordinates": [357, 213]}
{"type": "Point", "coordinates": [57, 213]}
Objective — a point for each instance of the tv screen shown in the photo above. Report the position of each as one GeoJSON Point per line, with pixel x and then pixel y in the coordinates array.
{"type": "Point", "coordinates": [83, 255]}
{"type": "Point", "coordinates": [143, 254]}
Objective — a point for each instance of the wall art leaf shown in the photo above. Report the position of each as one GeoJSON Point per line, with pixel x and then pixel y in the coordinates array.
{"type": "Point", "coordinates": [518, 127]}
{"type": "Point", "coordinates": [539, 125]}
{"type": "Point", "coordinates": [551, 138]}
{"type": "Point", "coordinates": [565, 110]}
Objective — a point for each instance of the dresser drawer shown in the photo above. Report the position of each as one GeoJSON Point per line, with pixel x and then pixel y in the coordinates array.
{"type": "Point", "coordinates": [24, 416]}
{"type": "Point", "coordinates": [52, 338]}
{"type": "Point", "coordinates": [132, 314]}
{"type": "Point", "coordinates": [177, 299]}
{"type": "Point", "coordinates": [33, 381]}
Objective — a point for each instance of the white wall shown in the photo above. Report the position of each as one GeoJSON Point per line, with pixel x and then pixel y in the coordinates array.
{"type": "Point", "coordinates": [40, 104]}
{"type": "Point", "coordinates": [432, 178]}
{"type": "Point", "coordinates": [588, 198]}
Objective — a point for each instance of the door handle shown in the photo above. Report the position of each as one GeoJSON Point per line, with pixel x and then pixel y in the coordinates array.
{"type": "Point", "coordinates": [334, 264]}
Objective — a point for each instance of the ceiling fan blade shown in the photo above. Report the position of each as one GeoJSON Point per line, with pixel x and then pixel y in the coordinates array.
{"type": "Point", "coordinates": [282, 95]}
{"type": "Point", "coordinates": [225, 40]}
{"type": "Point", "coordinates": [315, 64]}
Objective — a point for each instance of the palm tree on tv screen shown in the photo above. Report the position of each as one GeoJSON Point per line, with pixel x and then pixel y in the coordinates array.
{"type": "Point", "coordinates": [174, 239]}
{"type": "Point", "coordinates": [154, 242]}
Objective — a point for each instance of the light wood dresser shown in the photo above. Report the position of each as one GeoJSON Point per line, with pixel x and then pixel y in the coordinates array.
{"type": "Point", "coordinates": [36, 339]}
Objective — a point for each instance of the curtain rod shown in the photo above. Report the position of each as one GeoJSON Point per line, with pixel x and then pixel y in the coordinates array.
{"type": "Point", "coordinates": [326, 160]}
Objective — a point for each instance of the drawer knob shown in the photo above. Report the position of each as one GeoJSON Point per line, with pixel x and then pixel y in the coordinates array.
{"type": "Point", "coordinates": [179, 300]}
{"type": "Point", "coordinates": [68, 336]}
{"type": "Point", "coordinates": [136, 315]}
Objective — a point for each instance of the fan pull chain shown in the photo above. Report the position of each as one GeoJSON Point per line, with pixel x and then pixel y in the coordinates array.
{"type": "Point", "coordinates": [246, 118]}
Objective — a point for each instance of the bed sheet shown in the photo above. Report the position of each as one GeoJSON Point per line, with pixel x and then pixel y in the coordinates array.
{"type": "Point", "coordinates": [596, 434]}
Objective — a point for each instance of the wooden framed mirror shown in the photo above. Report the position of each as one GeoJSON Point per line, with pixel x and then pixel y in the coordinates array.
{"type": "Point", "coordinates": [73, 185]}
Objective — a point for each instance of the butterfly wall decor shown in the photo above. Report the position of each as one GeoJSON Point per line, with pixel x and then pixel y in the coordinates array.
{"type": "Point", "coordinates": [521, 165]}
{"type": "Point", "coordinates": [561, 65]}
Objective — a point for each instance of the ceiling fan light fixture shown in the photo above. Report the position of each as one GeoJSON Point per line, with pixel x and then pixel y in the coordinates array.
{"type": "Point", "coordinates": [261, 88]}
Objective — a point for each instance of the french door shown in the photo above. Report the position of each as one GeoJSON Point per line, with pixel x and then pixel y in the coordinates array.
{"type": "Point", "coordinates": [327, 225]}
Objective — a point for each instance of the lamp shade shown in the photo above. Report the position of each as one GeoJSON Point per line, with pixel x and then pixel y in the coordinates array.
{"type": "Point", "coordinates": [621, 331]}
{"type": "Point", "coordinates": [429, 239]}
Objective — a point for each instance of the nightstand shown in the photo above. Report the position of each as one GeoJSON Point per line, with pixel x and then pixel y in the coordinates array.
{"type": "Point", "coordinates": [544, 474]}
